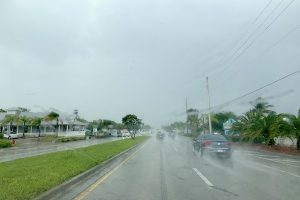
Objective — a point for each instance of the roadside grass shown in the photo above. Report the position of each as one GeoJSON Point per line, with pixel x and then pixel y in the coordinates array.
{"type": "Point", "coordinates": [26, 178]}
{"type": "Point", "coordinates": [5, 143]}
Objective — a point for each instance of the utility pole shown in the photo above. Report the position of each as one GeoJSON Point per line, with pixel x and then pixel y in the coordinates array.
{"type": "Point", "coordinates": [186, 110]}
{"type": "Point", "coordinates": [208, 97]}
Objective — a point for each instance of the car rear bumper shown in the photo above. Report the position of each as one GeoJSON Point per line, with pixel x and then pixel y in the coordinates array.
{"type": "Point", "coordinates": [218, 150]}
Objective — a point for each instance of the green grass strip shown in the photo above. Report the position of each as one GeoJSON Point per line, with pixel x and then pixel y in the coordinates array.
{"type": "Point", "coordinates": [26, 178]}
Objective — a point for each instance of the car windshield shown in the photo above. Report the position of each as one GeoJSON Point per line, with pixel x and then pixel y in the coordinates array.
{"type": "Point", "coordinates": [150, 99]}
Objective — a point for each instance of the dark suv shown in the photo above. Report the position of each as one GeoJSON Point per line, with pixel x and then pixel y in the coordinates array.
{"type": "Point", "coordinates": [213, 144]}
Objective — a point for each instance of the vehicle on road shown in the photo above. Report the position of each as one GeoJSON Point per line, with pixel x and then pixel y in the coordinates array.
{"type": "Point", "coordinates": [11, 135]}
{"type": "Point", "coordinates": [171, 135]}
{"type": "Point", "coordinates": [212, 144]}
{"type": "Point", "coordinates": [125, 133]}
{"type": "Point", "coordinates": [160, 135]}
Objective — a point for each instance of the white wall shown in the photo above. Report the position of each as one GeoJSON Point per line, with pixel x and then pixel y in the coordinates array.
{"type": "Point", "coordinates": [285, 141]}
{"type": "Point", "coordinates": [71, 133]}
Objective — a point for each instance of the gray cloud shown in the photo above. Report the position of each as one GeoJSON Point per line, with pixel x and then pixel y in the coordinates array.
{"type": "Point", "coordinates": [109, 58]}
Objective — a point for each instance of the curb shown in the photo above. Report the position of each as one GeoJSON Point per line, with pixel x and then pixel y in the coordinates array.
{"type": "Point", "coordinates": [47, 195]}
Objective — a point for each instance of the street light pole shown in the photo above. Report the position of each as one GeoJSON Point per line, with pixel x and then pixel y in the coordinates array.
{"type": "Point", "coordinates": [208, 97]}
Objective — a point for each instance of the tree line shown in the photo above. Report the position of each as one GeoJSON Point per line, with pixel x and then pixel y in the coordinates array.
{"type": "Point", "coordinates": [130, 122]}
{"type": "Point", "coordinates": [259, 124]}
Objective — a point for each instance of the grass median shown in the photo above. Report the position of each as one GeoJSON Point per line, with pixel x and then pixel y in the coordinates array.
{"type": "Point", "coordinates": [26, 178]}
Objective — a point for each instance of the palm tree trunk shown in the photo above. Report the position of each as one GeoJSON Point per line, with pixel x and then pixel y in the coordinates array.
{"type": "Point", "coordinates": [23, 129]}
{"type": "Point", "coordinates": [57, 127]}
{"type": "Point", "coordinates": [39, 131]}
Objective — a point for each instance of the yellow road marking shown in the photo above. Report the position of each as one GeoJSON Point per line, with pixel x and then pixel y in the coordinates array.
{"type": "Point", "coordinates": [83, 194]}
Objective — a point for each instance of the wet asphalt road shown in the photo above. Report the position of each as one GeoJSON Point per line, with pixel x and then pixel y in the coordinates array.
{"type": "Point", "coordinates": [38, 148]}
{"type": "Point", "coordinates": [169, 169]}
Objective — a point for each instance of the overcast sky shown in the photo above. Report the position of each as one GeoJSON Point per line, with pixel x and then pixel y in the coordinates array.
{"type": "Point", "coordinates": [108, 58]}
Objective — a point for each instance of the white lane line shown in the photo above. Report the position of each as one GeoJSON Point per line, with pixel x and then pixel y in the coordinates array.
{"type": "Point", "coordinates": [262, 155]}
{"type": "Point", "coordinates": [275, 161]}
{"type": "Point", "coordinates": [289, 161]}
{"type": "Point", "coordinates": [289, 173]}
{"type": "Point", "coordinates": [203, 177]}
{"type": "Point", "coordinates": [265, 156]}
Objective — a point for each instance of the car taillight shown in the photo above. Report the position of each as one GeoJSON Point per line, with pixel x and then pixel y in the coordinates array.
{"type": "Point", "coordinates": [206, 143]}
{"type": "Point", "coordinates": [227, 144]}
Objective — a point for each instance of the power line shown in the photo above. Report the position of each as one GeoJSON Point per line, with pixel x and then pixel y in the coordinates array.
{"type": "Point", "coordinates": [262, 11]}
{"type": "Point", "coordinates": [266, 28]}
{"type": "Point", "coordinates": [220, 62]}
{"type": "Point", "coordinates": [251, 34]}
{"type": "Point", "coordinates": [279, 40]}
{"type": "Point", "coordinates": [253, 91]}
{"type": "Point", "coordinates": [274, 44]}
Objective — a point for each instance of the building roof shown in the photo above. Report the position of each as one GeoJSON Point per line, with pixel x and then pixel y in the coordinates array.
{"type": "Point", "coordinates": [63, 118]}
{"type": "Point", "coordinates": [33, 114]}
{"type": "Point", "coordinates": [2, 116]}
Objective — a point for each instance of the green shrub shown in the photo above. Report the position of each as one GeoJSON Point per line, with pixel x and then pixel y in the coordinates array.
{"type": "Point", "coordinates": [1, 135]}
{"type": "Point", "coordinates": [245, 139]}
{"type": "Point", "coordinates": [5, 143]}
{"type": "Point", "coordinates": [233, 138]}
{"type": "Point", "coordinates": [259, 140]}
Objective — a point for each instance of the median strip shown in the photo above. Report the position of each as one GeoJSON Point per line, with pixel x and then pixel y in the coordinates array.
{"type": "Point", "coordinates": [28, 177]}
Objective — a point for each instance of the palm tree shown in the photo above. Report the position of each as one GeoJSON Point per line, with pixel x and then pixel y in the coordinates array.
{"type": "Point", "coordinates": [23, 120]}
{"type": "Point", "coordinates": [193, 120]}
{"type": "Point", "coordinates": [245, 124]}
{"type": "Point", "coordinates": [268, 127]}
{"type": "Point", "coordinates": [37, 122]}
{"type": "Point", "coordinates": [261, 106]}
{"type": "Point", "coordinates": [53, 116]}
{"type": "Point", "coordinates": [254, 124]}
{"type": "Point", "coordinates": [291, 127]}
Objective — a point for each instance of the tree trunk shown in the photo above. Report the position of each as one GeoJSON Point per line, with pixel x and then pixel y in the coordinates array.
{"type": "Point", "coordinates": [23, 129]}
{"type": "Point", "coordinates": [298, 142]}
{"type": "Point", "coordinates": [39, 131]}
{"type": "Point", "coordinates": [57, 127]}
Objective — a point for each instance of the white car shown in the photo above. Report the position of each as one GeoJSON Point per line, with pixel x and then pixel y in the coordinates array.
{"type": "Point", "coordinates": [125, 133]}
{"type": "Point", "coordinates": [10, 135]}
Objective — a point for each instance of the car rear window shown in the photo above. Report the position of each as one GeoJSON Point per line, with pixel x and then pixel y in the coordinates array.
{"type": "Point", "coordinates": [214, 137]}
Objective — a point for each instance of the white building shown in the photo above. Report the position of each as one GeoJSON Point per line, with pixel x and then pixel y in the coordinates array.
{"type": "Point", "coordinates": [65, 125]}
